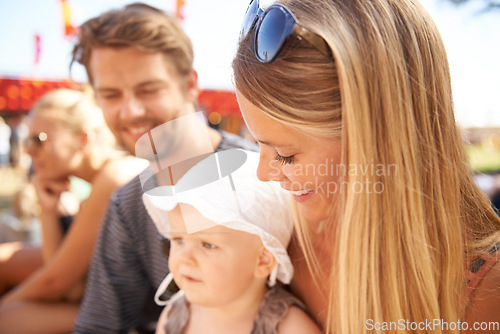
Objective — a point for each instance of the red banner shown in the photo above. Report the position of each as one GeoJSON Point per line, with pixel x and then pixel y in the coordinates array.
{"type": "Point", "coordinates": [69, 29]}
{"type": "Point", "coordinates": [19, 95]}
{"type": "Point", "coordinates": [38, 48]}
{"type": "Point", "coordinates": [179, 9]}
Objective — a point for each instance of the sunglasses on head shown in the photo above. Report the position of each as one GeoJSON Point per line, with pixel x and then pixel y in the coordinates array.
{"type": "Point", "coordinates": [36, 140]}
{"type": "Point", "coordinates": [273, 26]}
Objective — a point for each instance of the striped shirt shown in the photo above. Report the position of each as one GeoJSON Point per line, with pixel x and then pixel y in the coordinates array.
{"type": "Point", "coordinates": [128, 263]}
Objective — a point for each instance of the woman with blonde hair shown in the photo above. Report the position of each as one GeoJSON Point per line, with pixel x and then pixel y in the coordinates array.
{"type": "Point", "coordinates": [351, 103]}
{"type": "Point", "coordinates": [68, 137]}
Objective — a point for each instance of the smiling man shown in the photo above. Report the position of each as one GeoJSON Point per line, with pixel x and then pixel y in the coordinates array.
{"type": "Point", "coordinates": [140, 63]}
{"type": "Point", "coordinates": [139, 91]}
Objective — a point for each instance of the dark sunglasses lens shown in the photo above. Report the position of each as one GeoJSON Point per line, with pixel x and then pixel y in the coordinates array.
{"type": "Point", "coordinates": [271, 35]}
{"type": "Point", "coordinates": [250, 17]}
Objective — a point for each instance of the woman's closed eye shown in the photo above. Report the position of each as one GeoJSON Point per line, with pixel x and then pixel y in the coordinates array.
{"type": "Point", "coordinates": [284, 160]}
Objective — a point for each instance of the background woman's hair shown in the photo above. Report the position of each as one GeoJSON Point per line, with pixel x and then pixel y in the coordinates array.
{"type": "Point", "coordinates": [386, 93]}
{"type": "Point", "coordinates": [75, 111]}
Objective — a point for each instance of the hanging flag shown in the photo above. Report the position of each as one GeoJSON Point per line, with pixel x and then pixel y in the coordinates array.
{"type": "Point", "coordinates": [69, 29]}
{"type": "Point", "coordinates": [179, 9]}
{"type": "Point", "coordinates": [38, 48]}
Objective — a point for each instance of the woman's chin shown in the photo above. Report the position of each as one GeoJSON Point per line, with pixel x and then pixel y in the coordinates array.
{"type": "Point", "coordinates": [313, 214]}
{"type": "Point", "coordinates": [317, 208]}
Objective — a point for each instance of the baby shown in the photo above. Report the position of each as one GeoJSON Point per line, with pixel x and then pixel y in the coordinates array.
{"type": "Point", "coordinates": [228, 246]}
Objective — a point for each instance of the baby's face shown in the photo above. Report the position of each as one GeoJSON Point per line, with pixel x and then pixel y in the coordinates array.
{"type": "Point", "coordinates": [214, 266]}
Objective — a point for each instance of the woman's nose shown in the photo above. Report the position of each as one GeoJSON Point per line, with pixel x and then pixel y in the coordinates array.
{"type": "Point", "coordinates": [268, 168]}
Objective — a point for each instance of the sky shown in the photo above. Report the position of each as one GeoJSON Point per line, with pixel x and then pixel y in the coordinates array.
{"type": "Point", "coordinates": [470, 37]}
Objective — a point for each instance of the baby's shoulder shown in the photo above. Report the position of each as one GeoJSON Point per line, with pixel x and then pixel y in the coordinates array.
{"type": "Point", "coordinates": [297, 321]}
{"type": "Point", "coordinates": [287, 312]}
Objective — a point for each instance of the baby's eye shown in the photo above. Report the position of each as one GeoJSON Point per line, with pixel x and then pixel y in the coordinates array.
{"type": "Point", "coordinates": [208, 245]}
{"type": "Point", "coordinates": [178, 240]}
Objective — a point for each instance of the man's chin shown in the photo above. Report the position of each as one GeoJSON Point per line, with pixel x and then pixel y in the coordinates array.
{"type": "Point", "coordinates": [125, 140]}
{"type": "Point", "coordinates": [128, 145]}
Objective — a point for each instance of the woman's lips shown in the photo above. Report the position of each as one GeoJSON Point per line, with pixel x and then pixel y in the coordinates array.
{"type": "Point", "coordinates": [301, 195]}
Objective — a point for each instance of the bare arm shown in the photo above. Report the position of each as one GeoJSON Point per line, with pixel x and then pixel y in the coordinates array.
{"type": "Point", "coordinates": [68, 268]}
{"type": "Point", "coordinates": [49, 193]}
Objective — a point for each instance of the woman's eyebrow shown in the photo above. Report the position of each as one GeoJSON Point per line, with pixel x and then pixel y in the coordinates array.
{"type": "Point", "coordinates": [267, 143]}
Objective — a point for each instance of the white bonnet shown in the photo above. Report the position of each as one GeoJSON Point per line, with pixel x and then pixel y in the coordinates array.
{"type": "Point", "coordinates": [225, 190]}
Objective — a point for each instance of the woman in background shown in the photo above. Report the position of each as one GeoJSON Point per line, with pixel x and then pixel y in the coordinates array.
{"type": "Point", "coordinates": [67, 137]}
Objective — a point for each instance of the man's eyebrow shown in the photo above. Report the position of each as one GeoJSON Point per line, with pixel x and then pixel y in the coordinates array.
{"type": "Point", "coordinates": [142, 84]}
{"type": "Point", "coordinates": [150, 82]}
{"type": "Point", "coordinates": [105, 89]}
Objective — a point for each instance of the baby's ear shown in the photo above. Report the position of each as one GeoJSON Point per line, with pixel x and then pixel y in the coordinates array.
{"type": "Point", "coordinates": [265, 263]}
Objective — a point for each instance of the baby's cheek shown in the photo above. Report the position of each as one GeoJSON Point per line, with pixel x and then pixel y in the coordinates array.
{"type": "Point", "coordinates": [172, 258]}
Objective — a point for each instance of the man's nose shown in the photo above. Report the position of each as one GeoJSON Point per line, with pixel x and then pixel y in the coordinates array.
{"type": "Point", "coordinates": [132, 108]}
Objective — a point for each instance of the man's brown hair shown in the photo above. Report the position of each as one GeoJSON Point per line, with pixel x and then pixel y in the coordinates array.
{"type": "Point", "coordinates": [136, 25]}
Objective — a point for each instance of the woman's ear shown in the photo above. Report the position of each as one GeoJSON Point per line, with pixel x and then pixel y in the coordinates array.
{"type": "Point", "coordinates": [87, 137]}
{"type": "Point", "coordinates": [265, 263]}
{"type": "Point", "coordinates": [82, 138]}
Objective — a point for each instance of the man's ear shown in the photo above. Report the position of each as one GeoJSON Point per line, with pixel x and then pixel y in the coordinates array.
{"type": "Point", "coordinates": [192, 89]}
{"type": "Point", "coordinates": [265, 263]}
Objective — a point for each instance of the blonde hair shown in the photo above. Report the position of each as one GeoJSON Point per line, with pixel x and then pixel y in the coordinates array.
{"type": "Point", "coordinates": [140, 26]}
{"type": "Point", "coordinates": [398, 254]}
{"type": "Point", "coordinates": [75, 111]}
